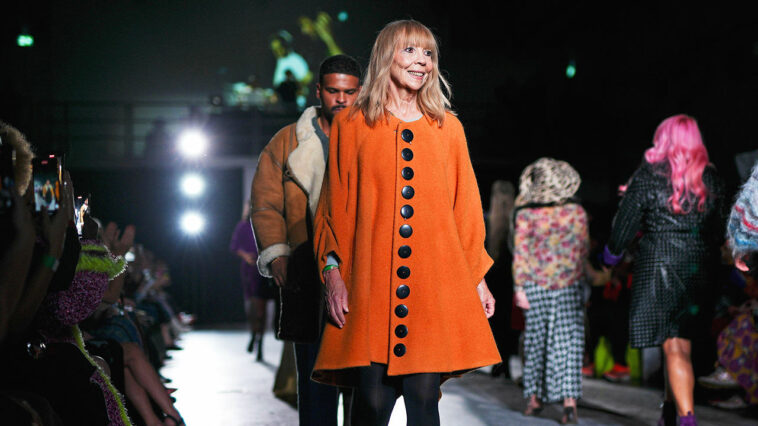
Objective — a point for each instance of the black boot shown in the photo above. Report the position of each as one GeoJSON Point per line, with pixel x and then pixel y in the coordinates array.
{"type": "Point", "coordinates": [668, 414]}
{"type": "Point", "coordinates": [260, 348]}
{"type": "Point", "coordinates": [251, 344]}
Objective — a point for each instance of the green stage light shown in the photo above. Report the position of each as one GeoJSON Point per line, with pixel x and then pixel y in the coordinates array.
{"type": "Point", "coordinates": [571, 69]}
{"type": "Point", "coordinates": [342, 16]}
{"type": "Point", "coordinates": [25, 40]}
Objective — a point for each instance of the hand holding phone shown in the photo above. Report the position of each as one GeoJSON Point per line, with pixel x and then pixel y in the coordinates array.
{"type": "Point", "coordinates": [54, 228]}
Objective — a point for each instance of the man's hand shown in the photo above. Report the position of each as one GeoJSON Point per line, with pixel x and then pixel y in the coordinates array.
{"type": "Point", "coordinates": [488, 302]}
{"type": "Point", "coordinates": [279, 270]}
{"type": "Point", "coordinates": [336, 296]}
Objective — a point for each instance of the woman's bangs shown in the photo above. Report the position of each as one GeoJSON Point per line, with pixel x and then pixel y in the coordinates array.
{"type": "Point", "coordinates": [415, 36]}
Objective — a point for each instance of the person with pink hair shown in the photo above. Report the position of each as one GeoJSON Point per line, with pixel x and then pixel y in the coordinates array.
{"type": "Point", "coordinates": [675, 200]}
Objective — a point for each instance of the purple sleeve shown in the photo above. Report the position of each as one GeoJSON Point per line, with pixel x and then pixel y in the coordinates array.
{"type": "Point", "coordinates": [237, 236]}
{"type": "Point", "coordinates": [611, 259]}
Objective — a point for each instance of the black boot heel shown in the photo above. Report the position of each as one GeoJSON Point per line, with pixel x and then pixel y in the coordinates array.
{"type": "Point", "coordinates": [668, 414]}
{"type": "Point", "coordinates": [260, 348]}
{"type": "Point", "coordinates": [251, 344]}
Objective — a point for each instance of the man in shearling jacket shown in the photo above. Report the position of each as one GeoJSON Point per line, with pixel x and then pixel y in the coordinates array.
{"type": "Point", "coordinates": [285, 193]}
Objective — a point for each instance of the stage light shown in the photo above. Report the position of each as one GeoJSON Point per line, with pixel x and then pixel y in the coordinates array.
{"type": "Point", "coordinates": [571, 69]}
{"type": "Point", "coordinates": [25, 40]}
{"type": "Point", "coordinates": [342, 16]}
{"type": "Point", "coordinates": [192, 223]}
{"type": "Point", "coordinates": [192, 143]}
{"type": "Point", "coordinates": [192, 185]}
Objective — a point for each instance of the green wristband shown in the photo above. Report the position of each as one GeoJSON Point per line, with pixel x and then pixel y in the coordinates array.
{"type": "Point", "coordinates": [50, 262]}
{"type": "Point", "coordinates": [329, 268]}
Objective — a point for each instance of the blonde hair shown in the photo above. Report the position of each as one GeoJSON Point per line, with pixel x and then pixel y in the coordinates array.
{"type": "Point", "coordinates": [432, 100]}
{"type": "Point", "coordinates": [22, 169]}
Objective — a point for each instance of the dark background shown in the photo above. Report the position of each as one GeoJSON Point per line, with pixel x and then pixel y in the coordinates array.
{"type": "Point", "coordinates": [637, 63]}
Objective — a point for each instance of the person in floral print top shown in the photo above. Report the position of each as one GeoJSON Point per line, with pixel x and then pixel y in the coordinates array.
{"type": "Point", "coordinates": [551, 242]}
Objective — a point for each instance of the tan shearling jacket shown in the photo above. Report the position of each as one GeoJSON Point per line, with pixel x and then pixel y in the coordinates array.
{"type": "Point", "coordinates": [284, 194]}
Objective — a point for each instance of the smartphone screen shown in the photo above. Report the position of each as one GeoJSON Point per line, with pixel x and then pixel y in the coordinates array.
{"type": "Point", "coordinates": [46, 177]}
{"type": "Point", "coordinates": [7, 180]}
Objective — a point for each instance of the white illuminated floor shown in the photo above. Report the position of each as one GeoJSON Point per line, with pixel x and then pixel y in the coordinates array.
{"type": "Point", "coordinates": [221, 384]}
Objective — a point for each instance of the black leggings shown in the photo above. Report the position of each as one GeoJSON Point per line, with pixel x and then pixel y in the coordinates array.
{"type": "Point", "coordinates": [374, 398]}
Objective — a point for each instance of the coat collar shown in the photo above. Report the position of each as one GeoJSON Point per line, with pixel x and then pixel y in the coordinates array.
{"type": "Point", "coordinates": [306, 161]}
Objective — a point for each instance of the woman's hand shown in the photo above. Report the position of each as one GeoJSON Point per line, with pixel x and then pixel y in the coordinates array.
{"type": "Point", "coordinates": [519, 298]}
{"type": "Point", "coordinates": [488, 302]}
{"type": "Point", "coordinates": [90, 228]}
{"type": "Point", "coordinates": [23, 221]}
{"type": "Point", "coordinates": [748, 306]}
{"type": "Point", "coordinates": [247, 256]}
{"type": "Point", "coordinates": [336, 296]}
{"type": "Point", "coordinates": [117, 242]}
{"type": "Point", "coordinates": [598, 278]}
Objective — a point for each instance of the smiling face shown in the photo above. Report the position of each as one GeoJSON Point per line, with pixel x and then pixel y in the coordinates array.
{"type": "Point", "coordinates": [411, 66]}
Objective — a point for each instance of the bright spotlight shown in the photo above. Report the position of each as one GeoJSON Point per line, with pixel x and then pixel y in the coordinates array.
{"type": "Point", "coordinates": [192, 223]}
{"type": "Point", "coordinates": [25, 40]}
{"type": "Point", "coordinates": [192, 185]}
{"type": "Point", "coordinates": [193, 143]}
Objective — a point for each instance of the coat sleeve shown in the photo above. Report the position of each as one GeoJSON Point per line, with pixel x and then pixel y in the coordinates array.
{"type": "Point", "coordinates": [522, 243]}
{"type": "Point", "coordinates": [334, 220]}
{"type": "Point", "coordinates": [628, 219]}
{"type": "Point", "coordinates": [467, 206]}
{"type": "Point", "coordinates": [267, 203]}
{"type": "Point", "coordinates": [583, 234]}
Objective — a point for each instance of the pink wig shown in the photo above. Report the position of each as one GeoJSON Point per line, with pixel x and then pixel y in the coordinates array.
{"type": "Point", "coordinates": [677, 140]}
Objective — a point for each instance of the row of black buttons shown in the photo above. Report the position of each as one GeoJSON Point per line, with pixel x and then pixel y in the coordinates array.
{"type": "Point", "coordinates": [401, 311]}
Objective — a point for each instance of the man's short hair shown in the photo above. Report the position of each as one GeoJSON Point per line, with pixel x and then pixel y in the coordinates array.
{"type": "Point", "coordinates": [339, 64]}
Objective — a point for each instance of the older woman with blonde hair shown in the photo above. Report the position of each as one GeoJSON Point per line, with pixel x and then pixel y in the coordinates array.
{"type": "Point", "coordinates": [551, 242]}
{"type": "Point", "coordinates": [399, 236]}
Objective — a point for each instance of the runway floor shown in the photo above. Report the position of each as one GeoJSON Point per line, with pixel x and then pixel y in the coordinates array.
{"type": "Point", "coordinates": [221, 384]}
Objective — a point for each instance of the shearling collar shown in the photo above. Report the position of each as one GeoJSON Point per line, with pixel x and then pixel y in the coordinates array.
{"type": "Point", "coordinates": [306, 161]}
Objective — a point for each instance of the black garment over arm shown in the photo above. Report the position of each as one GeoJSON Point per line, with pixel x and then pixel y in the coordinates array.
{"type": "Point", "coordinates": [628, 219]}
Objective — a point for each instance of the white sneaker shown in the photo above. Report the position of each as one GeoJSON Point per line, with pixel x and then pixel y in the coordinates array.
{"type": "Point", "coordinates": [719, 379]}
{"type": "Point", "coordinates": [733, 403]}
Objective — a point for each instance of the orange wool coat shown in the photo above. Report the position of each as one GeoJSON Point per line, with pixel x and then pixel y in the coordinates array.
{"type": "Point", "coordinates": [387, 189]}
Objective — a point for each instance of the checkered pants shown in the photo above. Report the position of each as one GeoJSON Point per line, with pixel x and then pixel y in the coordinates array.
{"type": "Point", "coordinates": [554, 343]}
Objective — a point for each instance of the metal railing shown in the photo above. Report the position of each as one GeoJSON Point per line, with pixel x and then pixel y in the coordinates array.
{"type": "Point", "coordinates": [107, 132]}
